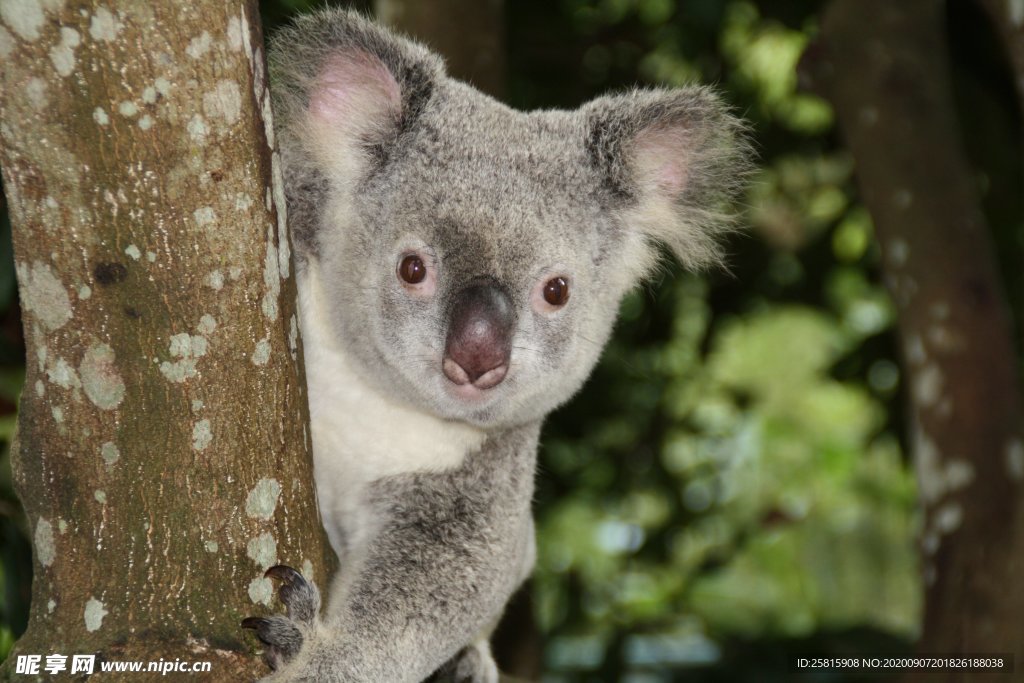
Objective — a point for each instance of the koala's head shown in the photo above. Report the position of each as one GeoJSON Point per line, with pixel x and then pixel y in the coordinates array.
{"type": "Point", "coordinates": [474, 256]}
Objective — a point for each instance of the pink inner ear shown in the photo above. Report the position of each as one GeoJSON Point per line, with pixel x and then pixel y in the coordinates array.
{"type": "Point", "coordinates": [354, 87]}
{"type": "Point", "coordinates": [661, 157]}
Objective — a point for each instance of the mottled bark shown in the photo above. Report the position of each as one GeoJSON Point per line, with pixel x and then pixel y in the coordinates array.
{"type": "Point", "coordinates": [164, 459]}
{"type": "Point", "coordinates": [468, 33]}
{"type": "Point", "coordinates": [883, 64]}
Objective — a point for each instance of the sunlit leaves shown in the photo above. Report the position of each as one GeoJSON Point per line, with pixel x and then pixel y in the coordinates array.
{"type": "Point", "coordinates": [853, 236]}
{"type": "Point", "coordinates": [765, 56]}
{"type": "Point", "coordinates": [794, 198]}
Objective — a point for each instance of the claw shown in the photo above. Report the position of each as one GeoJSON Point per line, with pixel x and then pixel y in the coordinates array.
{"type": "Point", "coordinates": [299, 596]}
{"type": "Point", "coordinates": [280, 637]}
{"type": "Point", "coordinates": [254, 623]}
{"type": "Point", "coordinates": [283, 572]}
{"type": "Point", "coordinates": [261, 626]}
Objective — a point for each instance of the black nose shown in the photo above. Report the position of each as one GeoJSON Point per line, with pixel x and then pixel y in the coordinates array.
{"type": "Point", "coordinates": [479, 339]}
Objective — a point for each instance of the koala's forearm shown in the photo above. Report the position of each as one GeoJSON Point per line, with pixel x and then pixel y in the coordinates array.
{"type": "Point", "coordinates": [414, 608]}
{"type": "Point", "coordinates": [449, 551]}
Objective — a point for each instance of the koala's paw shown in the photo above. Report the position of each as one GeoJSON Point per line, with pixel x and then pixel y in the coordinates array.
{"type": "Point", "coordinates": [282, 635]}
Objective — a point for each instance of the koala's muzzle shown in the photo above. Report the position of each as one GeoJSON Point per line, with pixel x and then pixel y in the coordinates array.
{"type": "Point", "coordinates": [479, 342]}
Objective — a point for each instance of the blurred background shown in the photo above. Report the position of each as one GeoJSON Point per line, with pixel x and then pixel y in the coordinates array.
{"type": "Point", "coordinates": [734, 486]}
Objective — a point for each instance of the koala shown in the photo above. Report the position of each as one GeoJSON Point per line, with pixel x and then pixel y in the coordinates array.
{"type": "Point", "coordinates": [459, 268]}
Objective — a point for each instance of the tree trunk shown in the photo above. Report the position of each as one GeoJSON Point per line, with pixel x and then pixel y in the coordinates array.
{"type": "Point", "coordinates": [164, 456]}
{"type": "Point", "coordinates": [469, 33]}
{"type": "Point", "coordinates": [1007, 18]}
{"type": "Point", "coordinates": [1006, 22]}
{"type": "Point", "coordinates": [883, 65]}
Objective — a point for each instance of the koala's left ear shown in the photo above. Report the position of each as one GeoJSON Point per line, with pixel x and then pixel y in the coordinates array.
{"type": "Point", "coordinates": [674, 161]}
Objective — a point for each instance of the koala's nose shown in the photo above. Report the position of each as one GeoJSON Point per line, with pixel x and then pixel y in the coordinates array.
{"type": "Point", "coordinates": [479, 341]}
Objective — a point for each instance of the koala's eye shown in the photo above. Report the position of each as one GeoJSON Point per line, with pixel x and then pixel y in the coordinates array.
{"type": "Point", "coordinates": [412, 269]}
{"type": "Point", "coordinates": [556, 291]}
{"type": "Point", "coordinates": [416, 272]}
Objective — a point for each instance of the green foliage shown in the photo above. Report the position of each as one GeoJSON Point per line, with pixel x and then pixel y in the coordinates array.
{"type": "Point", "coordinates": [764, 54]}
{"type": "Point", "coordinates": [771, 503]}
{"type": "Point", "coordinates": [732, 475]}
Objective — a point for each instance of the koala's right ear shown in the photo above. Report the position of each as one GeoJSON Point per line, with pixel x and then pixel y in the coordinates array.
{"type": "Point", "coordinates": [344, 91]}
{"type": "Point", "coordinates": [675, 159]}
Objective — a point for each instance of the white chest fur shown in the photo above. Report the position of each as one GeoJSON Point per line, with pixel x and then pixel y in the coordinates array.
{"type": "Point", "coordinates": [359, 434]}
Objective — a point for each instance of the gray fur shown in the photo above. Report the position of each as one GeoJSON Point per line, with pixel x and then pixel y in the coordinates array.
{"type": "Point", "coordinates": [429, 556]}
